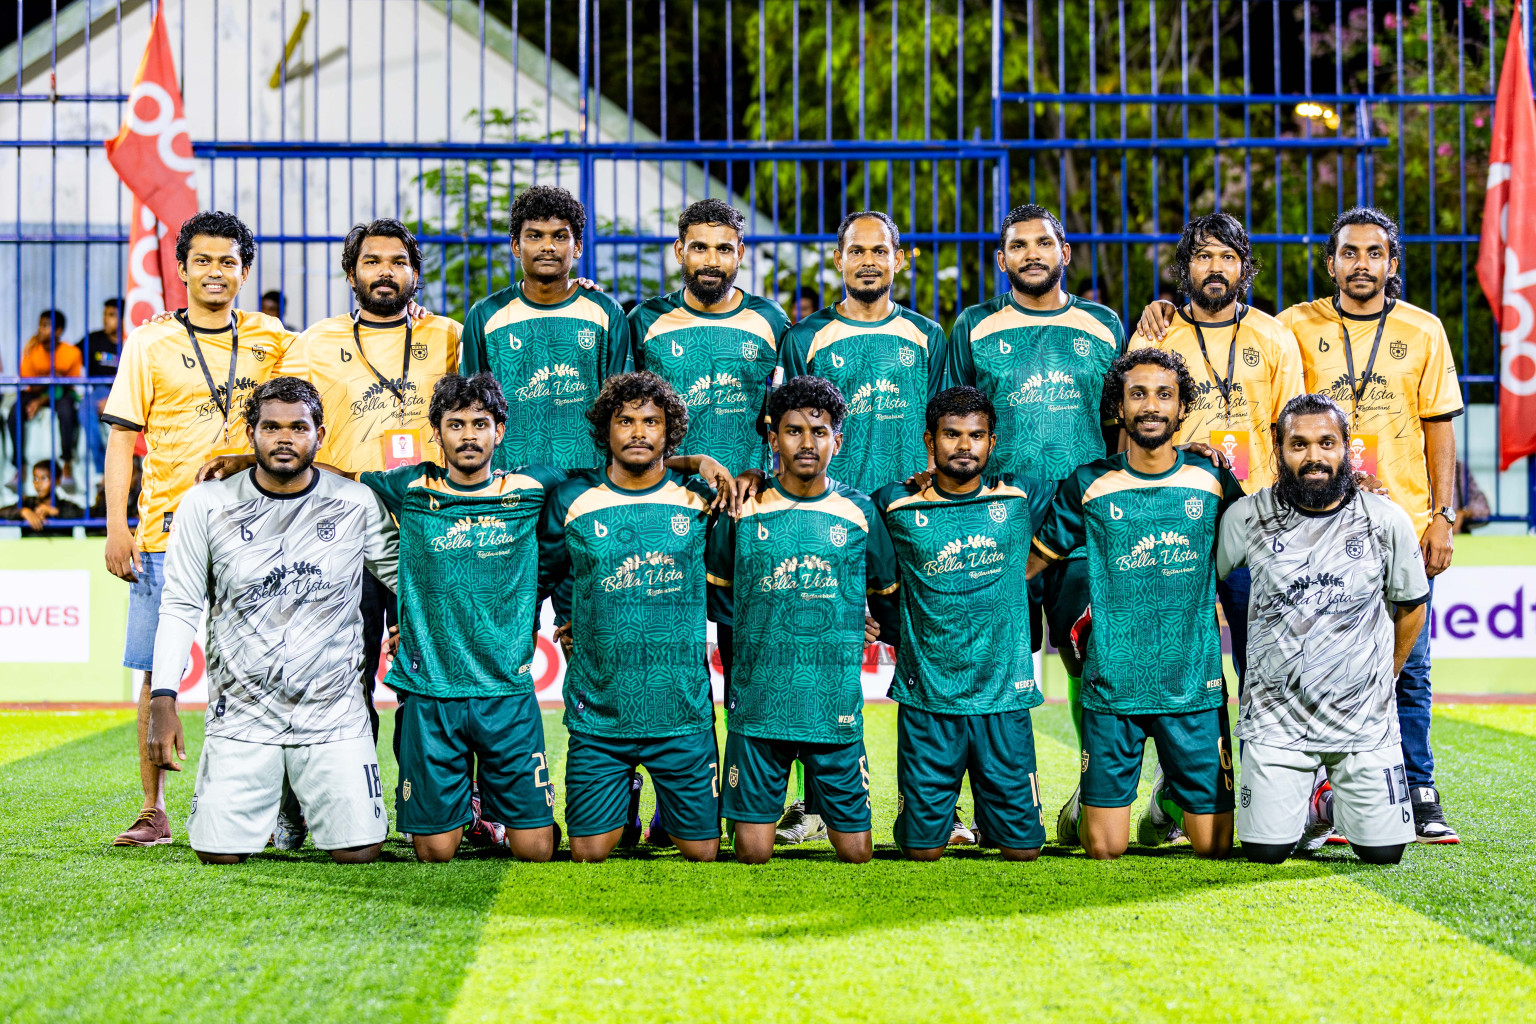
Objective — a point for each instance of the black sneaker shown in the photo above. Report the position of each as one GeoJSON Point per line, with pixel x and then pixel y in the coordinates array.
{"type": "Point", "coordinates": [632, 825]}
{"type": "Point", "coordinates": [1428, 819]}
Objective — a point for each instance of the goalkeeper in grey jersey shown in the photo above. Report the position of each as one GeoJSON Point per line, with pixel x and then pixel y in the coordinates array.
{"type": "Point", "coordinates": [277, 552]}
{"type": "Point", "coordinates": [1337, 600]}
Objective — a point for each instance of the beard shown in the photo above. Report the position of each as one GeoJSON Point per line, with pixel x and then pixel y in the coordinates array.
{"type": "Point", "coordinates": [1352, 287]}
{"type": "Point", "coordinates": [469, 458]}
{"type": "Point", "coordinates": [387, 305]}
{"type": "Point", "coordinates": [1208, 302]}
{"type": "Point", "coordinates": [709, 290]}
{"type": "Point", "coordinates": [1298, 493]}
{"type": "Point", "coordinates": [963, 472]}
{"type": "Point", "coordinates": [289, 471]}
{"type": "Point", "coordinates": [1052, 281]}
{"type": "Point", "coordinates": [868, 294]}
{"type": "Point", "coordinates": [1155, 441]}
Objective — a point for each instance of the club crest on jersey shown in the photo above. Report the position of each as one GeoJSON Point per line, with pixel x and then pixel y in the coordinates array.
{"type": "Point", "coordinates": [586, 337]}
{"type": "Point", "coordinates": [907, 356]}
{"type": "Point", "coordinates": [680, 524]}
{"type": "Point", "coordinates": [598, 529]}
{"type": "Point", "coordinates": [405, 790]}
{"type": "Point", "coordinates": [998, 511]}
{"type": "Point", "coordinates": [1081, 345]}
{"type": "Point", "coordinates": [734, 777]}
{"type": "Point", "coordinates": [325, 529]}
{"type": "Point", "coordinates": [749, 351]}
{"type": "Point", "coordinates": [1083, 764]}
{"type": "Point", "coordinates": [1398, 349]}
{"type": "Point", "coordinates": [418, 350]}
{"type": "Point", "coordinates": [1194, 508]}
{"type": "Point", "coordinates": [1354, 547]}
{"type": "Point", "coordinates": [259, 353]}
{"type": "Point", "coordinates": [1247, 796]}
{"type": "Point", "coordinates": [511, 500]}
{"type": "Point", "coordinates": [839, 535]}
{"type": "Point", "coordinates": [1251, 356]}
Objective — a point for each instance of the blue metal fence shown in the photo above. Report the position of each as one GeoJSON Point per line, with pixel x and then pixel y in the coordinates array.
{"type": "Point", "coordinates": [1127, 116]}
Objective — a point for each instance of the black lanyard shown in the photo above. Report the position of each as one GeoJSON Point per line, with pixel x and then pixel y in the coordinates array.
{"type": "Point", "coordinates": [1223, 385]}
{"type": "Point", "coordinates": [398, 390]}
{"type": "Point", "coordinates": [1358, 385]}
{"type": "Point", "coordinates": [223, 404]}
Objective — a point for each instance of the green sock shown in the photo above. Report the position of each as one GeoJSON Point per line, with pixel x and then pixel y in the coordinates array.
{"type": "Point", "coordinates": [797, 792]}
{"type": "Point", "coordinates": [1171, 809]}
{"type": "Point", "coordinates": [1075, 704]}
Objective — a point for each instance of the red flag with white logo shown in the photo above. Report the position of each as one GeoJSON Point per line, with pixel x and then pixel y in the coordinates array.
{"type": "Point", "coordinates": [152, 154]}
{"type": "Point", "coordinates": [1506, 262]}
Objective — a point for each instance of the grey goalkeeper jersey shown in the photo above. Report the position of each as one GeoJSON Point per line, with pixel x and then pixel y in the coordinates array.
{"type": "Point", "coordinates": [282, 575]}
{"type": "Point", "coordinates": [1320, 633]}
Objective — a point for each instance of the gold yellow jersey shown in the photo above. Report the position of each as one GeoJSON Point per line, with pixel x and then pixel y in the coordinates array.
{"type": "Point", "coordinates": [1249, 368]}
{"type": "Point", "coordinates": [369, 384]}
{"type": "Point", "coordinates": [189, 401]}
{"type": "Point", "coordinates": [1412, 379]}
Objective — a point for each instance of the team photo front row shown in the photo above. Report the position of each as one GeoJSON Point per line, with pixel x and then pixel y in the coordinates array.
{"type": "Point", "coordinates": [799, 571]}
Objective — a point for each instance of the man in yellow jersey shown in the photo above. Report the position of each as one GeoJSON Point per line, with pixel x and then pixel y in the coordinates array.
{"type": "Point", "coordinates": [183, 382]}
{"type": "Point", "coordinates": [1389, 365]}
{"type": "Point", "coordinates": [375, 369]}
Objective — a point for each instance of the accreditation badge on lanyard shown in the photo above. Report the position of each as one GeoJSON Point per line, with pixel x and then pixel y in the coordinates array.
{"type": "Point", "coordinates": [1231, 443]}
{"type": "Point", "coordinates": [1362, 447]}
{"type": "Point", "coordinates": [400, 445]}
{"type": "Point", "coordinates": [222, 444]}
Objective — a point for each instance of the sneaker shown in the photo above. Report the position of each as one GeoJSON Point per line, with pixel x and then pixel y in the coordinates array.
{"type": "Point", "coordinates": [1066, 820]}
{"type": "Point", "coordinates": [656, 835]}
{"type": "Point", "coordinates": [1319, 819]}
{"type": "Point", "coordinates": [632, 826]}
{"type": "Point", "coordinates": [151, 828]}
{"type": "Point", "coordinates": [1429, 823]}
{"type": "Point", "coordinates": [1157, 826]}
{"type": "Point", "coordinates": [959, 835]}
{"type": "Point", "coordinates": [483, 835]}
{"type": "Point", "coordinates": [290, 832]}
{"type": "Point", "coordinates": [798, 827]}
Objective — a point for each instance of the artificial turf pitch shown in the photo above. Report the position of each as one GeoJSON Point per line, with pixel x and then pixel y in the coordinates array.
{"type": "Point", "coordinates": [95, 933]}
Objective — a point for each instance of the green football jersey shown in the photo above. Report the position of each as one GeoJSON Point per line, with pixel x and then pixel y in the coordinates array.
{"type": "Point", "coordinates": [468, 578]}
{"type": "Point", "coordinates": [720, 364]}
{"type": "Point", "coordinates": [626, 568]}
{"type": "Point", "coordinates": [1154, 648]}
{"type": "Point", "coordinates": [961, 620]}
{"type": "Point", "coordinates": [550, 361]}
{"type": "Point", "coordinates": [790, 578]}
{"type": "Point", "coordinates": [887, 371]}
{"type": "Point", "coordinates": [1044, 371]}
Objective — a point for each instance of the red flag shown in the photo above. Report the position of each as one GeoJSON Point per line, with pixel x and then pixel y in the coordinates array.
{"type": "Point", "coordinates": [145, 297]}
{"type": "Point", "coordinates": [1506, 261]}
{"type": "Point", "coordinates": [153, 156]}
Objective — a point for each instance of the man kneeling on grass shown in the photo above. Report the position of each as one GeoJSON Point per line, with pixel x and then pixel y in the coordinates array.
{"type": "Point", "coordinates": [277, 551]}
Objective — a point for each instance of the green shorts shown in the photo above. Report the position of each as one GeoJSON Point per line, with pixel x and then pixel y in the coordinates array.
{"type": "Point", "coordinates": [1061, 593]}
{"type": "Point", "coordinates": [1193, 750]}
{"type": "Point", "coordinates": [755, 777]}
{"type": "Point", "coordinates": [441, 745]}
{"type": "Point", "coordinates": [684, 770]}
{"type": "Point", "coordinates": [933, 751]}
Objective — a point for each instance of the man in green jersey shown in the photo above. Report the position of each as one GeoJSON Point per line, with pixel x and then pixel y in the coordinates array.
{"type": "Point", "coordinates": [550, 340]}
{"type": "Point", "coordinates": [1041, 355]}
{"type": "Point", "coordinates": [791, 577]}
{"type": "Point", "coordinates": [964, 665]}
{"type": "Point", "coordinates": [1148, 518]}
{"type": "Point", "coordinates": [887, 361]}
{"type": "Point", "coordinates": [468, 586]}
{"type": "Point", "coordinates": [715, 344]}
{"type": "Point", "coordinates": [622, 551]}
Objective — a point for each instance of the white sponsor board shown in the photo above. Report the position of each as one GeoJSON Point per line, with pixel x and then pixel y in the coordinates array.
{"type": "Point", "coordinates": [1485, 611]}
{"type": "Point", "coordinates": [45, 615]}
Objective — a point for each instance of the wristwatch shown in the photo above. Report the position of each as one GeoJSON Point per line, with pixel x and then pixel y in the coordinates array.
{"type": "Point", "coordinates": [1448, 513]}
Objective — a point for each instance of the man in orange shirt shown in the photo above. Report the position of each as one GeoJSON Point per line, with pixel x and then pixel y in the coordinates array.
{"type": "Point", "coordinates": [46, 354]}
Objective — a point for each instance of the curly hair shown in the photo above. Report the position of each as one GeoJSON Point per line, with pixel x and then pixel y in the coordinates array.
{"type": "Point", "coordinates": [711, 211]}
{"type": "Point", "coordinates": [1114, 380]}
{"type": "Point", "coordinates": [294, 390]}
{"type": "Point", "coordinates": [454, 392]}
{"type": "Point", "coordinates": [639, 386]}
{"type": "Point", "coordinates": [961, 401]}
{"type": "Point", "coordinates": [386, 227]}
{"type": "Point", "coordinates": [547, 202]}
{"type": "Point", "coordinates": [1214, 227]}
{"type": "Point", "coordinates": [883, 218]}
{"type": "Point", "coordinates": [1373, 217]}
{"type": "Point", "coordinates": [216, 224]}
{"type": "Point", "coordinates": [807, 392]}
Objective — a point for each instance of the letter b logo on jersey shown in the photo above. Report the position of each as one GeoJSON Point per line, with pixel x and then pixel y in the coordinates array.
{"type": "Point", "coordinates": [1003, 348]}
{"type": "Point", "coordinates": [598, 529]}
{"type": "Point", "coordinates": [919, 519]}
{"type": "Point", "coordinates": [677, 350]}
{"type": "Point", "coordinates": [762, 532]}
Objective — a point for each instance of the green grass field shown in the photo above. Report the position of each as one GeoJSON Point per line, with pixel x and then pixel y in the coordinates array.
{"type": "Point", "coordinates": [94, 933]}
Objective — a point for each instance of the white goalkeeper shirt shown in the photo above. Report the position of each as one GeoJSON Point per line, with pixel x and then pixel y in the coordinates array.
{"type": "Point", "coordinates": [282, 576]}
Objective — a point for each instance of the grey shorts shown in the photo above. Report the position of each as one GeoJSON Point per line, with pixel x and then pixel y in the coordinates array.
{"type": "Point", "coordinates": [240, 785]}
{"type": "Point", "coordinates": [1370, 794]}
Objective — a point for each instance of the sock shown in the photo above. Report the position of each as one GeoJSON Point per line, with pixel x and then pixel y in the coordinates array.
{"type": "Point", "coordinates": [1171, 809]}
{"type": "Point", "coordinates": [1075, 704]}
{"type": "Point", "coordinates": [797, 792]}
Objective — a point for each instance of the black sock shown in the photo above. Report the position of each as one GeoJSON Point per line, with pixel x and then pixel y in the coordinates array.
{"type": "Point", "coordinates": [1379, 854]}
{"type": "Point", "coordinates": [1267, 853]}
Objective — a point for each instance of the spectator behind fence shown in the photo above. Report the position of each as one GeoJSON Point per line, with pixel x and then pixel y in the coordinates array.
{"type": "Point", "coordinates": [101, 351]}
{"type": "Point", "coordinates": [46, 354]}
{"type": "Point", "coordinates": [274, 305]}
{"type": "Point", "coordinates": [38, 508]}
{"type": "Point", "coordinates": [99, 506]}
{"type": "Point", "coordinates": [1471, 503]}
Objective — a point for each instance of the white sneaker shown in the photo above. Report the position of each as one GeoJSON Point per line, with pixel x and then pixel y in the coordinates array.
{"type": "Point", "coordinates": [1066, 820]}
{"type": "Point", "coordinates": [959, 835]}
{"type": "Point", "coordinates": [797, 827]}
